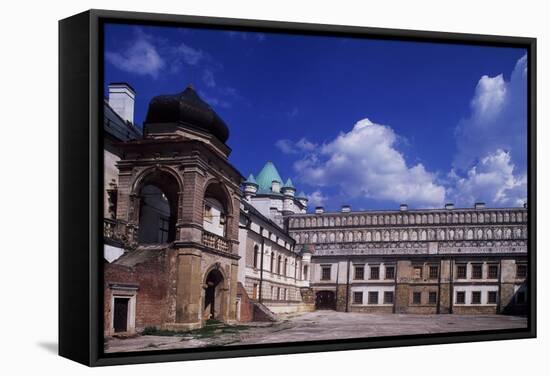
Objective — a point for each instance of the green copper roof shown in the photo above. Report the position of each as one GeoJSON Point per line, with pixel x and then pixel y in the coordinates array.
{"type": "Point", "coordinates": [288, 184]}
{"type": "Point", "coordinates": [301, 195]}
{"type": "Point", "coordinates": [268, 174]}
{"type": "Point", "coordinates": [250, 180]}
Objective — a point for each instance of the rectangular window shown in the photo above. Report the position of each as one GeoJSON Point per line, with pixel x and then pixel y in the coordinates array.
{"type": "Point", "coordinates": [417, 297]}
{"type": "Point", "coordinates": [255, 291]}
{"type": "Point", "coordinates": [521, 271]}
{"type": "Point", "coordinates": [325, 273]}
{"type": "Point", "coordinates": [374, 272]}
{"type": "Point", "coordinates": [278, 293]}
{"type": "Point", "coordinates": [477, 271]}
{"type": "Point", "coordinates": [432, 297]}
{"type": "Point", "coordinates": [373, 297]}
{"type": "Point", "coordinates": [492, 271]}
{"type": "Point", "coordinates": [360, 272]}
{"type": "Point", "coordinates": [417, 272]}
{"type": "Point", "coordinates": [492, 297]}
{"type": "Point", "coordinates": [388, 297]}
{"type": "Point", "coordinates": [476, 297]}
{"type": "Point", "coordinates": [390, 272]}
{"type": "Point", "coordinates": [358, 297]}
{"type": "Point", "coordinates": [434, 271]}
{"type": "Point", "coordinates": [461, 271]}
{"type": "Point", "coordinates": [460, 297]}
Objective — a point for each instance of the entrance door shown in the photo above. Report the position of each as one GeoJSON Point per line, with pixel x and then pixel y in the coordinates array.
{"type": "Point", "coordinates": [120, 315]}
{"type": "Point", "coordinates": [325, 300]}
{"type": "Point", "coordinates": [213, 295]}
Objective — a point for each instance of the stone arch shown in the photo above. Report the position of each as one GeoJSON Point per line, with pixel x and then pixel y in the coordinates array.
{"type": "Point", "coordinates": [154, 205]}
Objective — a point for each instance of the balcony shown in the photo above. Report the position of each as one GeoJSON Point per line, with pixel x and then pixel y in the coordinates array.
{"type": "Point", "coordinates": [109, 228]}
{"type": "Point", "coordinates": [215, 241]}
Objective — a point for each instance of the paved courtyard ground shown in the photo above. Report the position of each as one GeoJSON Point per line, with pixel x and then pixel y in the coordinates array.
{"type": "Point", "coordinates": [318, 325]}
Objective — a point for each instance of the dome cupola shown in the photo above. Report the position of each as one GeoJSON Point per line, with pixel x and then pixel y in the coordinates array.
{"type": "Point", "coordinates": [189, 109]}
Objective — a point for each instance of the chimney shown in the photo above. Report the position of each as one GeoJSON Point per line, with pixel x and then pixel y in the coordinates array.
{"type": "Point", "coordinates": [121, 99]}
{"type": "Point", "coordinates": [319, 210]}
{"type": "Point", "coordinates": [449, 206]}
{"type": "Point", "coordinates": [403, 207]}
{"type": "Point", "coordinates": [479, 205]}
{"type": "Point", "coordinates": [345, 209]}
{"type": "Point", "coordinates": [275, 186]}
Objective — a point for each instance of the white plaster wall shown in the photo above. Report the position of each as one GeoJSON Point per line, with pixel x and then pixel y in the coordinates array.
{"type": "Point", "coordinates": [468, 290]}
{"type": "Point", "coordinates": [367, 289]}
{"type": "Point", "coordinates": [110, 172]}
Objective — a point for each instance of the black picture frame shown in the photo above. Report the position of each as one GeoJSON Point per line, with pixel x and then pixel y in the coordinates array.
{"type": "Point", "coordinates": [80, 179]}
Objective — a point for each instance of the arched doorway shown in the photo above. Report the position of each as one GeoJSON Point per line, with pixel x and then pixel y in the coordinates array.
{"type": "Point", "coordinates": [213, 295]}
{"type": "Point", "coordinates": [325, 300]}
{"type": "Point", "coordinates": [157, 208]}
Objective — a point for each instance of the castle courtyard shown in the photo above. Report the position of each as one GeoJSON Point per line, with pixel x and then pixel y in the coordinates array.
{"type": "Point", "coordinates": [312, 326]}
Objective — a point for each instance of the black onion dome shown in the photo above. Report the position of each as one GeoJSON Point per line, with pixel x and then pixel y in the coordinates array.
{"type": "Point", "coordinates": [188, 108]}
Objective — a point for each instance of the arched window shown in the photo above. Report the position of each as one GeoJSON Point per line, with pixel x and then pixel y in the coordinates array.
{"type": "Point", "coordinates": [215, 210]}
{"type": "Point", "coordinates": [285, 269]}
{"type": "Point", "coordinates": [279, 264]}
{"type": "Point", "coordinates": [158, 198]}
{"type": "Point", "coordinates": [271, 261]}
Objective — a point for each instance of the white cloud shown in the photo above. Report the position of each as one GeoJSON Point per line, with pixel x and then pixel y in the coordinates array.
{"type": "Point", "coordinates": [365, 163]}
{"type": "Point", "coordinates": [489, 97]}
{"type": "Point", "coordinates": [492, 180]}
{"type": "Point", "coordinates": [498, 120]}
{"type": "Point", "coordinates": [208, 78]}
{"type": "Point", "coordinates": [491, 160]}
{"type": "Point", "coordinates": [141, 58]}
{"type": "Point", "coordinates": [316, 198]}
{"type": "Point", "coordinates": [290, 147]}
{"type": "Point", "coordinates": [189, 54]}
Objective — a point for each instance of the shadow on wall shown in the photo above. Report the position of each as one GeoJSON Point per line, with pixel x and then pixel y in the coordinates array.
{"type": "Point", "coordinates": [518, 305]}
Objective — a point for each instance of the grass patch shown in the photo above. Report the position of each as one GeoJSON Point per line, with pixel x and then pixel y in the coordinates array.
{"type": "Point", "coordinates": [211, 329]}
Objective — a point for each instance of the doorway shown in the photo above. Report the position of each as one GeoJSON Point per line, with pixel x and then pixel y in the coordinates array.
{"type": "Point", "coordinates": [325, 300]}
{"type": "Point", "coordinates": [120, 315]}
{"type": "Point", "coordinates": [213, 296]}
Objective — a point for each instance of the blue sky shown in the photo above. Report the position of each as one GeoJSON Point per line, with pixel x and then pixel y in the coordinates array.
{"type": "Point", "coordinates": [352, 121]}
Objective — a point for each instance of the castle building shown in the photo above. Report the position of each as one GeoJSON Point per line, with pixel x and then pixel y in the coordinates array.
{"type": "Point", "coordinates": [188, 239]}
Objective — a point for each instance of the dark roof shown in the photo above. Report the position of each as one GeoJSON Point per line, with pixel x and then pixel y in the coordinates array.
{"type": "Point", "coordinates": [187, 108]}
{"type": "Point", "coordinates": [115, 126]}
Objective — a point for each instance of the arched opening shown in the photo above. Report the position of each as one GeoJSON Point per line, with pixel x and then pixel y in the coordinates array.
{"type": "Point", "coordinates": [158, 197]}
{"type": "Point", "coordinates": [213, 295]}
{"type": "Point", "coordinates": [271, 261]}
{"type": "Point", "coordinates": [325, 300]}
{"type": "Point", "coordinates": [215, 210]}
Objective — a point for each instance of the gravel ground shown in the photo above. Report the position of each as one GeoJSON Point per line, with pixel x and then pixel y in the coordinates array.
{"type": "Point", "coordinates": [318, 325]}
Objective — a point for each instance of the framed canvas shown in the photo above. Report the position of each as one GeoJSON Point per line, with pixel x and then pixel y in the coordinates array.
{"type": "Point", "coordinates": [239, 187]}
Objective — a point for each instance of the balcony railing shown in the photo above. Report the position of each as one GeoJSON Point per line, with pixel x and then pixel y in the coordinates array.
{"type": "Point", "coordinates": [215, 241]}
{"type": "Point", "coordinates": [109, 228]}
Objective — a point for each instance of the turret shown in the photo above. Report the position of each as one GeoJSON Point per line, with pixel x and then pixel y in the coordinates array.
{"type": "Point", "coordinates": [250, 187]}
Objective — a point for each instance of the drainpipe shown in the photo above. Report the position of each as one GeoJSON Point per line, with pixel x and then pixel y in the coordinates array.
{"type": "Point", "coordinates": [451, 286]}
{"type": "Point", "coordinates": [347, 288]}
{"type": "Point", "coordinates": [438, 300]}
{"type": "Point", "coordinates": [261, 264]}
{"type": "Point", "coordinates": [499, 307]}
{"type": "Point", "coordinates": [336, 294]}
